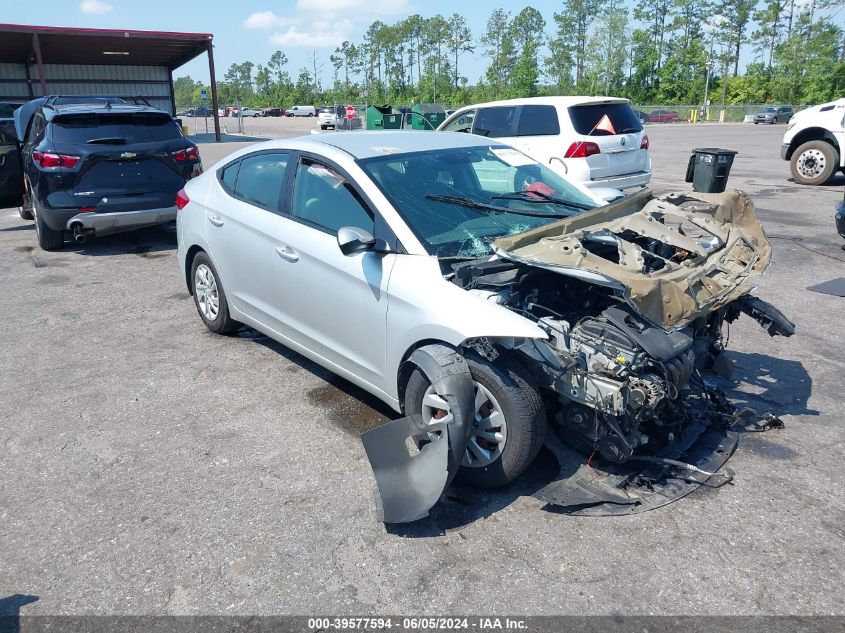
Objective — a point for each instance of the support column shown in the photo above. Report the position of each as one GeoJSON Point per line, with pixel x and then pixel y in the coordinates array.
{"type": "Point", "coordinates": [210, 48]}
{"type": "Point", "coordinates": [37, 46]}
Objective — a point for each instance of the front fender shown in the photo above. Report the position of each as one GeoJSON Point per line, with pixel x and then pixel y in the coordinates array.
{"type": "Point", "coordinates": [426, 307]}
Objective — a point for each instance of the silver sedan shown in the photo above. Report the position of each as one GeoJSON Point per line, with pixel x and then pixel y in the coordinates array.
{"type": "Point", "coordinates": [342, 247]}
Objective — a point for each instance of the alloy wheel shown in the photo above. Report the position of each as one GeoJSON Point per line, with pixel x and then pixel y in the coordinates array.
{"type": "Point", "coordinates": [205, 289]}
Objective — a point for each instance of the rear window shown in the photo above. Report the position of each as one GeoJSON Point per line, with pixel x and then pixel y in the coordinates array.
{"type": "Point", "coordinates": [495, 122]}
{"type": "Point", "coordinates": [326, 110]}
{"type": "Point", "coordinates": [623, 119]}
{"type": "Point", "coordinates": [134, 128]}
{"type": "Point", "coordinates": [6, 111]}
{"type": "Point", "coordinates": [538, 120]}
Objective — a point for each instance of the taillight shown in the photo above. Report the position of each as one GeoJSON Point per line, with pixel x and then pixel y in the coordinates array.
{"type": "Point", "coordinates": [182, 199]}
{"type": "Point", "coordinates": [46, 159]}
{"type": "Point", "coordinates": [582, 149]}
{"type": "Point", "coordinates": [644, 142]}
{"type": "Point", "coordinates": [192, 153]}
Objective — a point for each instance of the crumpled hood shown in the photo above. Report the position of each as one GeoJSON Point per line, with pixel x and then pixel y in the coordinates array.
{"type": "Point", "coordinates": [720, 251]}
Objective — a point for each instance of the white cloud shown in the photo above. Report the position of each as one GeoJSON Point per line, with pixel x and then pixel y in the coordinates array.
{"type": "Point", "coordinates": [315, 37]}
{"type": "Point", "coordinates": [266, 20]}
{"type": "Point", "coordinates": [95, 6]}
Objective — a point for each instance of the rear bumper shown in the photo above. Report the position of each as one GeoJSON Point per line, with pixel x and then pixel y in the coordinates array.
{"type": "Point", "coordinates": [637, 179]}
{"type": "Point", "coordinates": [103, 223]}
{"type": "Point", "coordinates": [840, 218]}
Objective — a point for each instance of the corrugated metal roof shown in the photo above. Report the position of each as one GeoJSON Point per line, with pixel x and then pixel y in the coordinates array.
{"type": "Point", "coordinates": [61, 45]}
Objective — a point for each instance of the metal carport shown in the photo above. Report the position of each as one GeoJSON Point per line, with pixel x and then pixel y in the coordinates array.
{"type": "Point", "coordinates": [37, 61]}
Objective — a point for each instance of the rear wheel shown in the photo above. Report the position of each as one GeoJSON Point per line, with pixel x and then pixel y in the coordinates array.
{"type": "Point", "coordinates": [48, 239]}
{"type": "Point", "coordinates": [209, 296]}
{"type": "Point", "coordinates": [509, 424]}
{"type": "Point", "coordinates": [25, 209]}
{"type": "Point", "coordinates": [814, 162]}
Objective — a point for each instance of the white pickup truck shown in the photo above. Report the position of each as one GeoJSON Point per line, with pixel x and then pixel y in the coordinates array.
{"type": "Point", "coordinates": [814, 143]}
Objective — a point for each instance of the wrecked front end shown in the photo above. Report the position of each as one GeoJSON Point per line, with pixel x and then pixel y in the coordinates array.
{"type": "Point", "coordinates": [634, 298]}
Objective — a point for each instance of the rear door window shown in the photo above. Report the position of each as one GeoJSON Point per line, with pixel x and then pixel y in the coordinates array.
{"type": "Point", "coordinates": [259, 179]}
{"type": "Point", "coordinates": [498, 122]}
{"type": "Point", "coordinates": [140, 127]}
{"type": "Point", "coordinates": [622, 118]}
{"type": "Point", "coordinates": [538, 120]}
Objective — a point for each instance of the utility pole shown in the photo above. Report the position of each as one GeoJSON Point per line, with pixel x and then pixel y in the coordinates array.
{"type": "Point", "coordinates": [708, 64]}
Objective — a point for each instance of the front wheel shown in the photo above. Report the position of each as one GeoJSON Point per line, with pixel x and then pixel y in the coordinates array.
{"type": "Point", "coordinates": [209, 296]}
{"type": "Point", "coordinates": [775, 120]}
{"type": "Point", "coordinates": [509, 423]}
{"type": "Point", "coordinates": [814, 162]}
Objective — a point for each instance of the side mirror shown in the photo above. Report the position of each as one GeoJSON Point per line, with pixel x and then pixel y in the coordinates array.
{"type": "Point", "coordinates": [353, 240]}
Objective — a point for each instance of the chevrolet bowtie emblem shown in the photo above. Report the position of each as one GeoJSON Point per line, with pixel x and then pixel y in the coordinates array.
{"type": "Point", "coordinates": [128, 155]}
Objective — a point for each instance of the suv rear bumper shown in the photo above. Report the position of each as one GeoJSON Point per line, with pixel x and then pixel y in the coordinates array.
{"type": "Point", "coordinates": [637, 179]}
{"type": "Point", "coordinates": [840, 218]}
{"type": "Point", "coordinates": [103, 223]}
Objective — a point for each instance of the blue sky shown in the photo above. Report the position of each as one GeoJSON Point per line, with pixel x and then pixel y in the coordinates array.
{"type": "Point", "coordinates": [295, 26]}
{"type": "Point", "coordinates": [254, 29]}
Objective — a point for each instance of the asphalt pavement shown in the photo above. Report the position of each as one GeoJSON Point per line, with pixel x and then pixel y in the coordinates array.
{"type": "Point", "coordinates": [148, 466]}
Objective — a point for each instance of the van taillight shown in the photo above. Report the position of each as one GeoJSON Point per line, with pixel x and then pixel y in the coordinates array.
{"type": "Point", "coordinates": [644, 142]}
{"type": "Point", "coordinates": [192, 153]}
{"type": "Point", "coordinates": [46, 159]}
{"type": "Point", "coordinates": [182, 199]}
{"type": "Point", "coordinates": [582, 149]}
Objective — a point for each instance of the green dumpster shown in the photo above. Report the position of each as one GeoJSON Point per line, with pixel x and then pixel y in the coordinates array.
{"type": "Point", "coordinates": [383, 118]}
{"type": "Point", "coordinates": [708, 169]}
{"type": "Point", "coordinates": [427, 116]}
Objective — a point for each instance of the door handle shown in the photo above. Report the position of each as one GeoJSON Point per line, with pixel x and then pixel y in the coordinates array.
{"type": "Point", "coordinates": [215, 221]}
{"type": "Point", "coordinates": [287, 254]}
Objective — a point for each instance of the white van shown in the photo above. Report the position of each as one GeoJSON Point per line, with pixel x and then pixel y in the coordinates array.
{"type": "Point", "coordinates": [596, 141]}
{"type": "Point", "coordinates": [301, 111]}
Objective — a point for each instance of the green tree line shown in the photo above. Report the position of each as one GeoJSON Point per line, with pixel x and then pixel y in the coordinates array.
{"type": "Point", "coordinates": [675, 48]}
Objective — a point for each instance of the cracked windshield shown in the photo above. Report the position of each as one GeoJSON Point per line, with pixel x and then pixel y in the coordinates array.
{"type": "Point", "coordinates": [457, 201]}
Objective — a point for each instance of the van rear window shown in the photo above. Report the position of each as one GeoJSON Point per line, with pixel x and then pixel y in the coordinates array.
{"type": "Point", "coordinates": [538, 120]}
{"type": "Point", "coordinates": [623, 119]}
{"type": "Point", "coordinates": [140, 127]}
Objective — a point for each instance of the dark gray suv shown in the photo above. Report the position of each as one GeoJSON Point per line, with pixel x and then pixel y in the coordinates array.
{"type": "Point", "coordinates": [774, 114]}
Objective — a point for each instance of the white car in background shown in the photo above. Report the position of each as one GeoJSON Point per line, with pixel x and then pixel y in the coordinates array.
{"type": "Point", "coordinates": [596, 141]}
{"type": "Point", "coordinates": [253, 112]}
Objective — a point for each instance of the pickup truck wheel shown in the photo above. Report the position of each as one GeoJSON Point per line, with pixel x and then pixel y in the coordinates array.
{"type": "Point", "coordinates": [209, 296]}
{"type": "Point", "coordinates": [814, 162]}
{"type": "Point", "coordinates": [510, 421]}
{"type": "Point", "coordinates": [48, 239]}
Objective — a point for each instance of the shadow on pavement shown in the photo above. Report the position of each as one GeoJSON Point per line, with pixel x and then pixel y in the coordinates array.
{"type": "Point", "coordinates": [783, 385]}
{"type": "Point", "coordinates": [152, 242]}
{"type": "Point", "coordinates": [10, 611]}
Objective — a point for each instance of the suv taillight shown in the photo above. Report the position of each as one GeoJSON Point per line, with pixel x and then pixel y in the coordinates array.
{"type": "Point", "coordinates": [46, 159]}
{"type": "Point", "coordinates": [582, 149]}
{"type": "Point", "coordinates": [182, 199]}
{"type": "Point", "coordinates": [644, 142]}
{"type": "Point", "coordinates": [192, 153]}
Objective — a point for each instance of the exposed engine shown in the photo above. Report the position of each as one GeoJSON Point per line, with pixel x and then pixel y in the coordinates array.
{"type": "Point", "coordinates": [624, 385]}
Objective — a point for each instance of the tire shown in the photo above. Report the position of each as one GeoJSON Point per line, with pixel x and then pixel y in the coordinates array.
{"type": "Point", "coordinates": [219, 322]}
{"type": "Point", "coordinates": [25, 208]}
{"type": "Point", "coordinates": [774, 121]}
{"type": "Point", "coordinates": [511, 387]}
{"type": "Point", "coordinates": [48, 239]}
{"type": "Point", "coordinates": [814, 162]}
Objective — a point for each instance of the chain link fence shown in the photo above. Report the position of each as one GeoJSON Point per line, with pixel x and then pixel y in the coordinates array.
{"type": "Point", "coordinates": [699, 113]}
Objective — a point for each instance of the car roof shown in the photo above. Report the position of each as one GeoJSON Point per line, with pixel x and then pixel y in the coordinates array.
{"type": "Point", "coordinates": [378, 143]}
{"type": "Point", "coordinates": [554, 101]}
{"type": "Point", "coordinates": [97, 108]}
